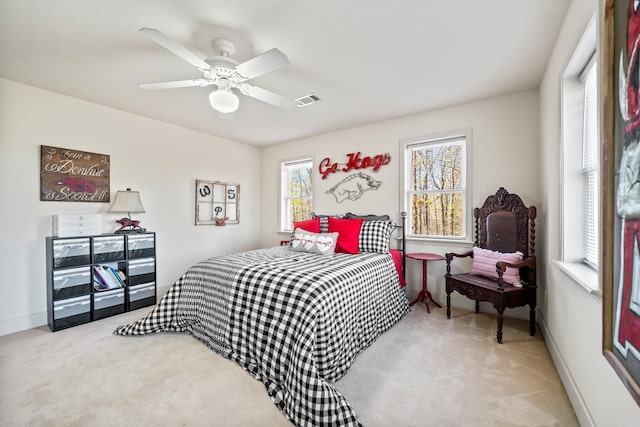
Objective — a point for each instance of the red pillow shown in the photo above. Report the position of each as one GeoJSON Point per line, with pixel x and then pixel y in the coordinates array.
{"type": "Point", "coordinates": [311, 225]}
{"type": "Point", "coordinates": [348, 234]}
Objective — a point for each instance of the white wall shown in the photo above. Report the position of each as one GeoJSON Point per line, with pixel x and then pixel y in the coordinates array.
{"type": "Point", "coordinates": [504, 153]}
{"type": "Point", "coordinates": [160, 160]}
{"type": "Point", "coordinates": [571, 318]}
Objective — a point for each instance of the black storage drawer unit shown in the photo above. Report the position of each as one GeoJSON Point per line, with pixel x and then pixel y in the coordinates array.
{"type": "Point", "coordinates": [69, 252]}
{"type": "Point", "coordinates": [108, 248]}
{"type": "Point", "coordinates": [75, 292]}
{"type": "Point", "coordinates": [141, 245]}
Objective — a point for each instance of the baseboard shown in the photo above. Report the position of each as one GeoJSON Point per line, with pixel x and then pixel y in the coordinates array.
{"type": "Point", "coordinates": [579, 406]}
{"type": "Point", "coordinates": [22, 323]}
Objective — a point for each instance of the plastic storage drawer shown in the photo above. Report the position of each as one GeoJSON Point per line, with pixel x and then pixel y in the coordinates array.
{"type": "Point", "coordinates": [142, 295]}
{"type": "Point", "coordinates": [71, 312]}
{"type": "Point", "coordinates": [71, 252]}
{"type": "Point", "coordinates": [141, 271]}
{"type": "Point", "coordinates": [108, 303]}
{"type": "Point", "coordinates": [141, 245]}
{"type": "Point", "coordinates": [71, 282]}
{"type": "Point", "coordinates": [108, 249]}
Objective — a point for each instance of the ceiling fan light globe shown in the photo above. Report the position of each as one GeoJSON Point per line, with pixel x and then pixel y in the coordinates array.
{"type": "Point", "coordinates": [224, 101]}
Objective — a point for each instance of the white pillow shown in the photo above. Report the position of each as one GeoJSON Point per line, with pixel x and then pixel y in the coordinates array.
{"type": "Point", "coordinates": [315, 243]}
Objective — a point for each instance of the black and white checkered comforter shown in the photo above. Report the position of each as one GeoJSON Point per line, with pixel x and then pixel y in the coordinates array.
{"type": "Point", "coordinates": [294, 320]}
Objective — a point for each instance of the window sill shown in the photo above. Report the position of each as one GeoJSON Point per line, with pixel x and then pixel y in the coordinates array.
{"type": "Point", "coordinates": [439, 242]}
{"type": "Point", "coordinates": [583, 276]}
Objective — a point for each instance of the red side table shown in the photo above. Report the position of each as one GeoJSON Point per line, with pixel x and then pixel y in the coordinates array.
{"type": "Point", "coordinates": [424, 293]}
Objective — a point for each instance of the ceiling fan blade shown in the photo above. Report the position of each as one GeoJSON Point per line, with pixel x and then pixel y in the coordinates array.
{"type": "Point", "coordinates": [264, 63]}
{"type": "Point", "coordinates": [174, 47]}
{"type": "Point", "coordinates": [268, 97]}
{"type": "Point", "coordinates": [174, 84]}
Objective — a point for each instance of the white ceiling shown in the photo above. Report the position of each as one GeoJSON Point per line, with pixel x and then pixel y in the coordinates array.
{"type": "Point", "coordinates": [368, 60]}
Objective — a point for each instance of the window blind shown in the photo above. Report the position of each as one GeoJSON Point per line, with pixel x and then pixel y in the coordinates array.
{"type": "Point", "coordinates": [590, 166]}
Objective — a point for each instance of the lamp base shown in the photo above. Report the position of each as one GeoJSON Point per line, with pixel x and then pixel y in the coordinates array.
{"type": "Point", "coordinates": [131, 231]}
{"type": "Point", "coordinates": [129, 225]}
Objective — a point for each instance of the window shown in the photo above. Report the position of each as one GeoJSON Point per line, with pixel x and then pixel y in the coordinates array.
{"type": "Point", "coordinates": [580, 165]}
{"type": "Point", "coordinates": [296, 192]}
{"type": "Point", "coordinates": [590, 165]}
{"type": "Point", "coordinates": [435, 189]}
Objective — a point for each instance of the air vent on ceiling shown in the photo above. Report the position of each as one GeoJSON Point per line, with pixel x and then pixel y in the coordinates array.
{"type": "Point", "coordinates": [306, 100]}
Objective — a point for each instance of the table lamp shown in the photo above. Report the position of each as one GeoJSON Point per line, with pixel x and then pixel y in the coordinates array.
{"type": "Point", "coordinates": [128, 201]}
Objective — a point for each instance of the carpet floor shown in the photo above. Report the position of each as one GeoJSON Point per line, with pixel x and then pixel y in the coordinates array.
{"type": "Point", "coordinates": [425, 371]}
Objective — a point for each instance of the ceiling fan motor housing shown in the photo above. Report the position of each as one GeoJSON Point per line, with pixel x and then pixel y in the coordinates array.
{"type": "Point", "coordinates": [224, 46]}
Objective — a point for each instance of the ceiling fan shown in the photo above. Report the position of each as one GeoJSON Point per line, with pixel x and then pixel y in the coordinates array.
{"type": "Point", "coordinates": [225, 73]}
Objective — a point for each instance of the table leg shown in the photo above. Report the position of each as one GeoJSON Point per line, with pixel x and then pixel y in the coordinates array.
{"type": "Point", "coordinates": [420, 297]}
{"type": "Point", "coordinates": [425, 290]}
{"type": "Point", "coordinates": [424, 293]}
{"type": "Point", "coordinates": [427, 294]}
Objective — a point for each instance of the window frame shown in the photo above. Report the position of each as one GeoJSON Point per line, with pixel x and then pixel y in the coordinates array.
{"type": "Point", "coordinates": [406, 146]}
{"type": "Point", "coordinates": [571, 259]}
{"type": "Point", "coordinates": [283, 211]}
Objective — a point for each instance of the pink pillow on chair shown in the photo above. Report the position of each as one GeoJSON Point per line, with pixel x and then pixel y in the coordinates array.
{"type": "Point", "coordinates": [484, 264]}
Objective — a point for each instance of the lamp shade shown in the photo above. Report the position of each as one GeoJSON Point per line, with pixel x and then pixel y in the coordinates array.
{"type": "Point", "coordinates": [127, 201]}
{"type": "Point", "coordinates": [224, 101]}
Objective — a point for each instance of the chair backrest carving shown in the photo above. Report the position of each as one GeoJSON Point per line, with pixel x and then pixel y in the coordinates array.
{"type": "Point", "coordinates": [505, 224]}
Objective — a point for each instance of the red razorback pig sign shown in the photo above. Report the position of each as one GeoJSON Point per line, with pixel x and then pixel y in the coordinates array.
{"type": "Point", "coordinates": [354, 161]}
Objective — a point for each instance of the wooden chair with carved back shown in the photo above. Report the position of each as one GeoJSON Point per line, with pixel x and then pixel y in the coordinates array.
{"type": "Point", "coordinates": [504, 228]}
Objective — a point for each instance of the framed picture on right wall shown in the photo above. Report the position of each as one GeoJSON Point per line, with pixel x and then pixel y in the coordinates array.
{"type": "Point", "coordinates": [620, 190]}
{"type": "Point", "coordinates": [217, 203]}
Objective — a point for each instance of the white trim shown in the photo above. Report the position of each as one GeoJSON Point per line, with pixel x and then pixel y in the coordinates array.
{"type": "Point", "coordinates": [583, 276]}
{"type": "Point", "coordinates": [22, 323]}
{"type": "Point", "coordinates": [571, 228]}
{"type": "Point", "coordinates": [281, 165]}
{"type": "Point", "coordinates": [573, 391]}
{"type": "Point", "coordinates": [467, 218]}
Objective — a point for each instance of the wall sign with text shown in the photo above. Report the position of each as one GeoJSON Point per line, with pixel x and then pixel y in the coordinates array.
{"type": "Point", "coordinates": [354, 162]}
{"type": "Point", "coordinates": [217, 203]}
{"type": "Point", "coordinates": [68, 175]}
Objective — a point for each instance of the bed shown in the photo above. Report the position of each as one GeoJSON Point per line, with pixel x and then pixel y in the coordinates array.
{"type": "Point", "coordinates": [295, 319]}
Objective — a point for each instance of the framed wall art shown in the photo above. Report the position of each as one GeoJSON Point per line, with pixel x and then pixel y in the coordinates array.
{"type": "Point", "coordinates": [620, 191]}
{"type": "Point", "coordinates": [217, 203]}
{"type": "Point", "coordinates": [68, 175]}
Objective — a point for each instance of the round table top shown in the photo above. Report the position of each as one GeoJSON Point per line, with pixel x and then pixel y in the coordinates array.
{"type": "Point", "coordinates": [422, 256]}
